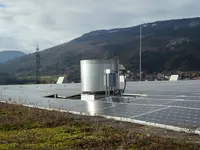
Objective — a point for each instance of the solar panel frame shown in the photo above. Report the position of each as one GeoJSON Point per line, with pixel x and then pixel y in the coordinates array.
{"type": "Point", "coordinates": [176, 104]}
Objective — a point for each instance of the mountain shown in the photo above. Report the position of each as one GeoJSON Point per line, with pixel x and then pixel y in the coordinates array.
{"type": "Point", "coordinates": [166, 46]}
{"type": "Point", "coordinates": [9, 55]}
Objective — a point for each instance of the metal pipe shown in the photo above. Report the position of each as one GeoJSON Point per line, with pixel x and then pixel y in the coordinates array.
{"type": "Point", "coordinates": [140, 52]}
{"type": "Point", "coordinates": [124, 83]}
{"type": "Point", "coordinates": [106, 85]}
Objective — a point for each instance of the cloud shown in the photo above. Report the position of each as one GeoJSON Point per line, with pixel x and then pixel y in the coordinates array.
{"type": "Point", "coordinates": [2, 6]}
{"type": "Point", "coordinates": [24, 23]}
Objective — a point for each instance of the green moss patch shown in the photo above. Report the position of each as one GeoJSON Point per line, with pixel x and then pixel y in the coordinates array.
{"type": "Point", "coordinates": [31, 128]}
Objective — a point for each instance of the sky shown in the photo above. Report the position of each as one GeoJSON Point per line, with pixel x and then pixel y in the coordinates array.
{"type": "Point", "coordinates": [26, 23]}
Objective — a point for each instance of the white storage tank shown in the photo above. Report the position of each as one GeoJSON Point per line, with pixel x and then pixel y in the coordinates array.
{"type": "Point", "coordinates": [93, 74]}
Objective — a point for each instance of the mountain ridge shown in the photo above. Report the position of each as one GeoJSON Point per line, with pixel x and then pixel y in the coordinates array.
{"type": "Point", "coordinates": [9, 55]}
{"type": "Point", "coordinates": [166, 46]}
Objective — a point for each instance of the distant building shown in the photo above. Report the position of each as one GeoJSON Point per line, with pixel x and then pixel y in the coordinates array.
{"type": "Point", "coordinates": [197, 78]}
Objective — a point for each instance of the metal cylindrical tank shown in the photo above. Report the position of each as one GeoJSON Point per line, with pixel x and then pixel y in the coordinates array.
{"type": "Point", "coordinates": [93, 74]}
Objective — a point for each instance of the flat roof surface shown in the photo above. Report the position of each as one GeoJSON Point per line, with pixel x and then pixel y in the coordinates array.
{"type": "Point", "coordinates": [174, 104]}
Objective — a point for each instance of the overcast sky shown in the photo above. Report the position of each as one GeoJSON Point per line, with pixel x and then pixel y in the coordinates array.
{"type": "Point", "coordinates": [24, 23]}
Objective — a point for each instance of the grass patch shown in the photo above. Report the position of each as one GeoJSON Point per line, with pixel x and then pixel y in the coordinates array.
{"type": "Point", "coordinates": [30, 128]}
{"type": "Point", "coordinates": [43, 79]}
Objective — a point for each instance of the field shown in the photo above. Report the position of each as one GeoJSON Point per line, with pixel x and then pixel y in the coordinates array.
{"type": "Point", "coordinates": [43, 79]}
{"type": "Point", "coordinates": [32, 128]}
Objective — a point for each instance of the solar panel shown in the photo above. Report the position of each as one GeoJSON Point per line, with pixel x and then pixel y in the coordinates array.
{"type": "Point", "coordinates": [188, 104]}
{"type": "Point", "coordinates": [142, 100]}
{"type": "Point", "coordinates": [127, 111]}
{"type": "Point", "coordinates": [186, 118]}
{"type": "Point", "coordinates": [168, 103]}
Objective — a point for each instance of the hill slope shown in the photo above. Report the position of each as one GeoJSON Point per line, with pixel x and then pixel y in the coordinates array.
{"type": "Point", "coordinates": [166, 46]}
{"type": "Point", "coordinates": [9, 55]}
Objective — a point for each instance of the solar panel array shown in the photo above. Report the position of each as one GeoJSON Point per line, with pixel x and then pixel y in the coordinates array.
{"type": "Point", "coordinates": [168, 103]}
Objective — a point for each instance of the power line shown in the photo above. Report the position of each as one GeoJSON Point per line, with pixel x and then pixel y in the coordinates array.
{"type": "Point", "coordinates": [37, 65]}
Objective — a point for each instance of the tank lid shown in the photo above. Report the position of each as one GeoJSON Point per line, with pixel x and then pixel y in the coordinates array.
{"type": "Point", "coordinates": [95, 61]}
